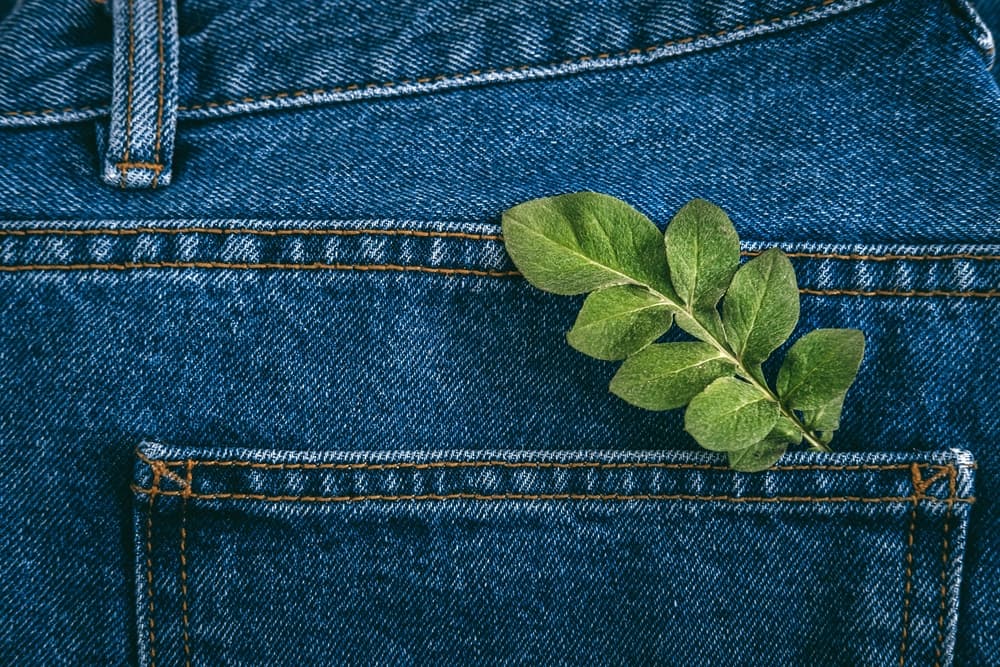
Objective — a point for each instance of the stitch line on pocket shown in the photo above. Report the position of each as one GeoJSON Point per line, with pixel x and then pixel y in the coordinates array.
{"type": "Point", "coordinates": [920, 487]}
{"type": "Point", "coordinates": [529, 464]}
{"type": "Point", "coordinates": [486, 273]}
{"type": "Point", "coordinates": [420, 233]}
{"type": "Point", "coordinates": [151, 609]}
{"type": "Point", "coordinates": [184, 562]}
{"type": "Point", "coordinates": [908, 585]}
{"type": "Point", "coordinates": [943, 609]}
{"type": "Point", "coordinates": [539, 496]}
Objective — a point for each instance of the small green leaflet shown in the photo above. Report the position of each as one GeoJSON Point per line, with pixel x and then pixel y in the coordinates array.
{"type": "Point", "coordinates": [820, 367]}
{"type": "Point", "coordinates": [703, 252]}
{"type": "Point", "coordinates": [666, 376]}
{"type": "Point", "coordinates": [641, 281]}
{"type": "Point", "coordinates": [761, 307]}
{"type": "Point", "coordinates": [617, 321]}
{"type": "Point", "coordinates": [730, 415]}
{"type": "Point", "coordinates": [570, 244]}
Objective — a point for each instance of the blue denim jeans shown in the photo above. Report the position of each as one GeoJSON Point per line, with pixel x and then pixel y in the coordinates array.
{"type": "Point", "coordinates": [271, 391]}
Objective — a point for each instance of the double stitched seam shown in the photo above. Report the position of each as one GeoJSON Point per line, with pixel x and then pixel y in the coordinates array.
{"type": "Point", "coordinates": [317, 266]}
{"type": "Point", "coordinates": [908, 585]}
{"type": "Point", "coordinates": [184, 582]}
{"type": "Point", "coordinates": [774, 20]}
{"type": "Point", "coordinates": [920, 487]}
{"type": "Point", "coordinates": [159, 96]}
{"type": "Point", "coordinates": [536, 496]}
{"type": "Point", "coordinates": [135, 231]}
{"type": "Point", "coordinates": [126, 266]}
{"type": "Point", "coordinates": [151, 609]}
{"type": "Point", "coordinates": [222, 231]}
{"type": "Point", "coordinates": [888, 257]}
{"type": "Point", "coordinates": [124, 165]}
{"type": "Point", "coordinates": [978, 294]}
{"type": "Point", "coordinates": [187, 490]}
{"type": "Point", "coordinates": [521, 464]}
{"type": "Point", "coordinates": [939, 643]}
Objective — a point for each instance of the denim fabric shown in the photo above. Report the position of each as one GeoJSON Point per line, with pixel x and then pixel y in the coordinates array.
{"type": "Point", "coordinates": [989, 13]}
{"type": "Point", "coordinates": [546, 558]}
{"type": "Point", "coordinates": [322, 283]}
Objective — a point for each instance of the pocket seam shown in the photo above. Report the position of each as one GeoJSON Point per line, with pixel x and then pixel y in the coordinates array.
{"type": "Point", "coordinates": [161, 469]}
{"type": "Point", "coordinates": [923, 477]}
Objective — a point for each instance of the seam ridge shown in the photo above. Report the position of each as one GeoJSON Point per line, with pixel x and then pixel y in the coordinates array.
{"type": "Point", "coordinates": [817, 10]}
{"type": "Point", "coordinates": [539, 496]}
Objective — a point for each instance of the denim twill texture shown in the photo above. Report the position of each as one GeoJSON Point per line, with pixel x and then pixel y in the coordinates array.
{"type": "Point", "coordinates": [293, 405]}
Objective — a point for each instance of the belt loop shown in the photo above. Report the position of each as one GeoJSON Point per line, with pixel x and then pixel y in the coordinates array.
{"type": "Point", "coordinates": [140, 141]}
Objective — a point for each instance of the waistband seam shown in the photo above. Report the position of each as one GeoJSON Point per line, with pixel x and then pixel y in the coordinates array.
{"type": "Point", "coordinates": [607, 60]}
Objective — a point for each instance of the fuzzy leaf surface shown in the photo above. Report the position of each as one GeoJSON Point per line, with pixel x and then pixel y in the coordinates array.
{"type": "Point", "coordinates": [703, 252]}
{"type": "Point", "coordinates": [820, 367]}
{"type": "Point", "coordinates": [730, 415]}
{"type": "Point", "coordinates": [665, 376]}
{"type": "Point", "coordinates": [761, 307]}
{"type": "Point", "coordinates": [584, 241]}
{"type": "Point", "coordinates": [615, 322]}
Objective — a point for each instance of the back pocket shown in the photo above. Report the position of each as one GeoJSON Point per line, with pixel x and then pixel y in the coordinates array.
{"type": "Point", "coordinates": [291, 558]}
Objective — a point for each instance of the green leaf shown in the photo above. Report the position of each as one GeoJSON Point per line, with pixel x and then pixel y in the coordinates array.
{"type": "Point", "coordinates": [703, 252]}
{"type": "Point", "coordinates": [617, 321]}
{"type": "Point", "coordinates": [786, 431]}
{"type": "Point", "coordinates": [583, 241]}
{"type": "Point", "coordinates": [758, 457]}
{"type": "Point", "coordinates": [730, 415]}
{"type": "Point", "coordinates": [819, 367]}
{"type": "Point", "coordinates": [761, 307]}
{"type": "Point", "coordinates": [826, 417]}
{"type": "Point", "coordinates": [665, 376]}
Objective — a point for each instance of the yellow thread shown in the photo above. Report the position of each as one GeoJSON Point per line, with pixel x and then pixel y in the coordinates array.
{"type": "Point", "coordinates": [126, 266]}
{"type": "Point", "coordinates": [149, 568]}
{"type": "Point", "coordinates": [919, 486]}
{"type": "Point", "coordinates": [134, 231]}
{"type": "Point", "coordinates": [184, 589]}
{"type": "Point", "coordinates": [537, 496]}
{"type": "Point", "coordinates": [528, 464]}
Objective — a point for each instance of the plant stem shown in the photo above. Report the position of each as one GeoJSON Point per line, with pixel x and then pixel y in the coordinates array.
{"type": "Point", "coordinates": [706, 336]}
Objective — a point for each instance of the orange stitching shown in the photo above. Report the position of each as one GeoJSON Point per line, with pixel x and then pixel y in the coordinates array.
{"type": "Point", "coordinates": [254, 232]}
{"type": "Point", "coordinates": [160, 469]}
{"type": "Point", "coordinates": [989, 294]}
{"type": "Point", "coordinates": [184, 590]}
{"type": "Point", "coordinates": [123, 164]}
{"type": "Point", "coordinates": [159, 96]}
{"type": "Point", "coordinates": [919, 486]}
{"type": "Point", "coordinates": [939, 643]}
{"type": "Point", "coordinates": [889, 257]}
{"type": "Point", "coordinates": [125, 266]}
{"type": "Point", "coordinates": [459, 76]}
{"type": "Point", "coordinates": [540, 496]}
{"type": "Point", "coordinates": [42, 112]}
{"type": "Point", "coordinates": [149, 567]}
{"type": "Point", "coordinates": [522, 464]}
{"type": "Point", "coordinates": [132, 231]}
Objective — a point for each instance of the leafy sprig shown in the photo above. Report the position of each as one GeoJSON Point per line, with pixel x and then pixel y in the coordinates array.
{"type": "Point", "coordinates": [641, 282]}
